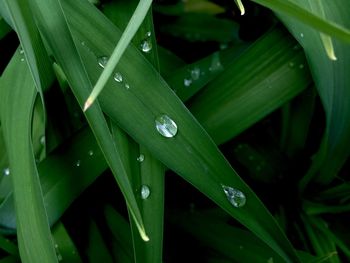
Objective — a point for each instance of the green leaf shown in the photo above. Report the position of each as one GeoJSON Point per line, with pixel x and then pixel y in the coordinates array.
{"type": "Point", "coordinates": [332, 83]}
{"type": "Point", "coordinates": [4, 28]}
{"type": "Point", "coordinates": [53, 25]}
{"type": "Point", "coordinates": [296, 10]}
{"type": "Point", "coordinates": [268, 74]}
{"type": "Point", "coordinates": [7, 246]}
{"type": "Point", "coordinates": [191, 153]}
{"type": "Point", "coordinates": [18, 95]}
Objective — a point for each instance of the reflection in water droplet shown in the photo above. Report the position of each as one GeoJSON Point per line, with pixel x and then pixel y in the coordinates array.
{"type": "Point", "coordinates": [166, 126]}
{"type": "Point", "coordinates": [77, 164]}
{"type": "Point", "coordinates": [91, 153]}
{"type": "Point", "coordinates": [145, 192]}
{"type": "Point", "coordinates": [141, 158]}
{"type": "Point", "coordinates": [118, 77]}
{"type": "Point", "coordinates": [102, 61]}
{"type": "Point", "coordinates": [235, 196]}
{"type": "Point", "coordinates": [187, 82]}
{"type": "Point", "coordinates": [42, 140]}
{"type": "Point", "coordinates": [195, 73]}
{"type": "Point", "coordinates": [6, 172]}
{"type": "Point", "coordinates": [146, 45]}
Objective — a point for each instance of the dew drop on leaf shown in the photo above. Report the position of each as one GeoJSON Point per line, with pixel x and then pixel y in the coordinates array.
{"type": "Point", "coordinates": [236, 197]}
{"type": "Point", "coordinates": [141, 158]}
{"type": "Point", "coordinates": [102, 61]}
{"type": "Point", "coordinates": [166, 126]}
{"type": "Point", "coordinates": [118, 77]}
{"type": "Point", "coordinates": [145, 192]}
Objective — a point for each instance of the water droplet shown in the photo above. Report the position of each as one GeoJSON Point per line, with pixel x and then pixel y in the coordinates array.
{"type": "Point", "coordinates": [146, 45]}
{"type": "Point", "coordinates": [291, 64]}
{"type": "Point", "coordinates": [22, 59]}
{"type": "Point", "coordinates": [195, 73]}
{"type": "Point", "coordinates": [301, 66]}
{"type": "Point", "coordinates": [91, 153]}
{"type": "Point", "coordinates": [223, 46]}
{"type": "Point", "coordinates": [102, 61]}
{"type": "Point", "coordinates": [78, 163]}
{"type": "Point", "coordinates": [6, 172]}
{"type": "Point", "coordinates": [301, 35]}
{"type": "Point", "coordinates": [141, 158]}
{"type": "Point", "coordinates": [187, 82]}
{"type": "Point", "coordinates": [56, 246]}
{"type": "Point", "coordinates": [148, 34]}
{"type": "Point", "coordinates": [42, 140]}
{"type": "Point", "coordinates": [166, 126]}
{"type": "Point", "coordinates": [127, 86]}
{"type": "Point", "coordinates": [235, 196]}
{"type": "Point", "coordinates": [118, 77]}
{"type": "Point", "coordinates": [145, 192]}
{"type": "Point", "coordinates": [216, 63]}
{"type": "Point", "coordinates": [59, 257]}
{"type": "Point", "coordinates": [83, 43]}
{"type": "Point", "coordinates": [21, 51]}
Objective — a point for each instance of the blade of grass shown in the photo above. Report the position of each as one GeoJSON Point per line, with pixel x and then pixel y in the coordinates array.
{"type": "Point", "coordinates": [53, 25]}
{"type": "Point", "coordinates": [291, 9]}
{"type": "Point", "coordinates": [191, 153]}
{"type": "Point", "coordinates": [268, 74]}
{"type": "Point", "coordinates": [332, 84]}
{"type": "Point", "coordinates": [18, 94]}
{"type": "Point", "coordinates": [133, 25]}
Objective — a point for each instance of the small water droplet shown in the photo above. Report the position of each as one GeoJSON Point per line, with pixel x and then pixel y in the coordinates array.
{"type": "Point", "coordinates": [301, 66]}
{"type": "Point", "coordinates": [291, 64]}
{"type": "Point", "coordinates": [141, 158]}
{"type": "Point", "coordinates": [145, 192]}
{"type": "Point", "coordinates": [21, 51]}
{"type": "Point", "coordinates": [91, 153]}
{"type": "Point", "coordinates": [148, 34]}
{"type": "Point", "coordinates": [78, 163]}
{"type": "Point", "coordinates": [216, 63]}
{"type": "Point", "coordinates": [301, 35]}
{"type": "Point", "coordinates": [146, 45]}
{"type": "Point", "coordinates": [127, 86]}
{"type": "Point", "coordinates": [187, 82]}
{"type": "Point", "coordinates": [195, 73]}
{"type": "Point", "coordinates": [166, 126]}
{"type": "Point", "coordinates": [22, 59]}
{"type": "Point", "coordinates": [6, 172]}
{"type": "Point", "coordinates": [118, 77]}
{"type": "Point", "coordinates": [56, 246]}
{"type": "Point", "coordinates": [102, 61]}
{"type": "Point", "coordinates": [42, 140]}
{"type": "Point", "coordinates": [235, 196]}
{"type": "Point", "coordinates": [83, 43]}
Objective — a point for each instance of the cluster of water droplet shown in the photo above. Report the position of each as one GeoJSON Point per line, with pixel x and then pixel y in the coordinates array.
{"type": "Point", "coordinates": [118, 77]}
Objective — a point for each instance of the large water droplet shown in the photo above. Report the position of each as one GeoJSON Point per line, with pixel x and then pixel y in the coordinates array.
{"type": "Point", "coordinates": [102, 61]}
{"type": "Point", "coordinates": [195, 73]}
{"type": "Point", "coordinates": [146, 45]}
{"type": "Point", "coordinates": [145, 192]}
{"type": "Point", "coordinates": [6, 172]}
{"type": "Point", "coordinates": [141, 158]}
{"type": "Point", "coordinates": [118, 77]}
{"type": "Point", "coordinates": [166, 126]}
{"type": "Point", "coordinates": [187, 82]}
{"type": "Point", "coordinates": [235, 196]}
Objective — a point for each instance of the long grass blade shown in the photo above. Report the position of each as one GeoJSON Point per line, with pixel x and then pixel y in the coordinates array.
{"type": "Point", "coordinates": [18, 95]}
{"type": "Point", "coordinates": [133, 25]}
{"type": "Point", "coordinates": [53, 26]}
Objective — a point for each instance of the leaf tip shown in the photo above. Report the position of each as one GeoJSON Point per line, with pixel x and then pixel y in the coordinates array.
{"type": "Point", "coordinates": [88, 104]}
